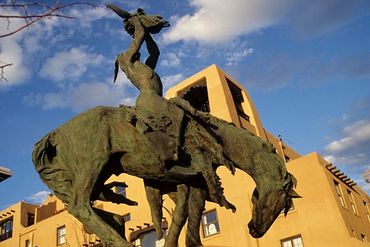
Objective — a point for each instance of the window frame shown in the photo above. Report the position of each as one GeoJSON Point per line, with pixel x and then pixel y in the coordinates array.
{"type": "Point", "coordinates": [363, 237]}
{"type": "Point", "coordinates": [6, 228]}
{"type": "Point", "coordinates": [367, 210]}
{"type": "Point", "coordinates": [352, 202]}
{"type": "Point", "coordinates": [287, 158]}
{"type": "Point", "coordinates": [238, 99]}
{"type": "Point", "coordinates": [30, 219]}
{"type": "Point", "coordinates": [205, 225]}
{"type": "Point", "coordinates": [339, 192]}
{"type": "Point", "coordinates": [61, 236]}
{"type": "Point", "coordinates": [126, 217]}
{"type": "Point", "coordinates": [290, 239]}
{"type": "Point", "coordinates": [197, 99]}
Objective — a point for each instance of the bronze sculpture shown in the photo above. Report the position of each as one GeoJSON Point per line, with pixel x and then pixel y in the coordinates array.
{"type": "Point", "coordinates": [173, 147]}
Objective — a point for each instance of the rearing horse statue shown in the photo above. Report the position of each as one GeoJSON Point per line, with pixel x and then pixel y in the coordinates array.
{"type": "Point", "coordinates": [173, 147]}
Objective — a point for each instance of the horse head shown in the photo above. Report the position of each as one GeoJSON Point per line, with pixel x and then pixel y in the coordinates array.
{"type": "Point", "coordinates": [152, 23]}
{"type": "Point", "coordinates": [269, 202]}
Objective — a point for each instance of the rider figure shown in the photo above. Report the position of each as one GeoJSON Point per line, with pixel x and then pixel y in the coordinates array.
{"type": "Point", "coordinates": [149, 84]}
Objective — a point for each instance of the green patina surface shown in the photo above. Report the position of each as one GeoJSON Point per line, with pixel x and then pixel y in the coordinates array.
{"type": "Point", "coordinates": [173, 147]}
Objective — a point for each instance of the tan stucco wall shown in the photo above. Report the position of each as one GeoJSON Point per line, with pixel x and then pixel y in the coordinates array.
{"type": "Point", "coordinates": [19, 213]}
{"type": "Point", "coordinates": [44, 233]}
{"type": "Point", "coordinates": [318, 217]}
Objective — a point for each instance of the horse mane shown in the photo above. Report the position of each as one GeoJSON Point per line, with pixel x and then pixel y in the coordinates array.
{"type": "Point", "coordinates": [290, 182]}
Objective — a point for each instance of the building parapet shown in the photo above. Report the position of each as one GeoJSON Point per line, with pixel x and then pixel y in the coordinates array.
{"type": "Point", "coordinates": [340, 175]}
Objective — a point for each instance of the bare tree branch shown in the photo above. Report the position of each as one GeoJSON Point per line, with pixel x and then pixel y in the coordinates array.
{"type": "Point", "coordinates": [366, 176]}
{"type": "Point", "coordinates": [50, 12]}
{"type": "Point", "coordinates": [31, 13]}
{"type": "Point", "coordinates": [2, 67]}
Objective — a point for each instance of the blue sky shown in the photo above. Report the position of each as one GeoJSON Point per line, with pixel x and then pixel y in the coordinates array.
{"type": "Point", "coordinates": [306, 65]}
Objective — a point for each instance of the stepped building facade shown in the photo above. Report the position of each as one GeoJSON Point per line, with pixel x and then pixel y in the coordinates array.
{"type": "Point", "coordinates": [333, 210]}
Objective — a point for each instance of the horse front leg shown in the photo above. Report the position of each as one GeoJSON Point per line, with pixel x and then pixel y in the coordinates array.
{"type": "Point", "coordinates": [213, 181]}
{"type": "Point", "coordinates": [179, 216]}
{"type": "Point", "coordinates": [80, 207]}
{"type": "Point", "coordinates": [87, 216]}
{"type": "Point", "coordinates": [197, 199]}
{"type": "Point", "coordinates": [154, 198]}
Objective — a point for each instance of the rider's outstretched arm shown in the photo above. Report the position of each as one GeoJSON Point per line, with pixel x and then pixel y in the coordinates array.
{"type": "Point", "coordinates": [139, 35]}
{"type": "Point", "coordinates": [153, 51]}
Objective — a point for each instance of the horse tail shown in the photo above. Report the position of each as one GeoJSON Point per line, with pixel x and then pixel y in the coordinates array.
{"type": "Point", "coordinates": [52, 173]}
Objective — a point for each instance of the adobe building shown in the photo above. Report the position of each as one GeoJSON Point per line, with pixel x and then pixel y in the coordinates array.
{"type": "Point", "coordinates": [47, 225]}
{"type": "Point", "coordinates": [334, 211]}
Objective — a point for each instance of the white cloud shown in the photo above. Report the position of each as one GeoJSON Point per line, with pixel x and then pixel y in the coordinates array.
{"type": "Point", "coordinates": [234, 57]}
{"type": "Point", "coordinates": [81, 97]}
{"type": "Point", "coordinates": [122, 80]}
{"type": "Point", "coordinates": [86, 16]}
{"type": "Point", "coordinates": [38, 197]}
{"type": "Point", "coordinates": [26, 48]}
{"type": "Point", "coordinates": [170, 60]}
{"type": "Point", "coordinates": [11, 53]}
{"type": "Point", "coordinates": [70, 64]}
{"type": "Point", "coordinates": [236, 52]}
{"type": "Point", "coordinates": [217, 21]}
{"type": "Point", "coordinates": [352, 150]}
{"type": "Point", "coordinates": [170, 80]}
{"type": "Point", "coordinates": [348, 159]}
{"type": "Point", "coordinates": [353, 135]}
{"type": "Point", "coordinates": [9, 26]}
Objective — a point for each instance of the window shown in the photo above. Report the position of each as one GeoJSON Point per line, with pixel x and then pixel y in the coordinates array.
{"type": "Point", "coordinates": [148, 239]}
{"type": "Point", "coordinates": [61, 235]}
{"type": "Point", "coordinates": [127, 217]}
{"type": "Point", "coordinates": [237, 95]}
{"type": "Point", "coordinates": [6, 229]}
{"type": "Point", "coordinates": [30, 219]}
{"type": "Point", "coordinates": [352, 201]}
{"type": "Point", "coordinates": [121, 190]}
{"type": "Point", "coordinates": [367, 210]}
{"type": "Point", "coordinates": [339, 193]}
{"type": "Point", "coordinates": [197, 96]}
{"type": "Point", "coordinates": [210, 223]}
{"type": "Point", "coordinates": [27, 243]}
{"type": "Point", "coordinates": [295, 241]}
{"type": "Point", "coordinates": [287, 158]}
{"type": "Point", "coordinates": [363, 238]}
